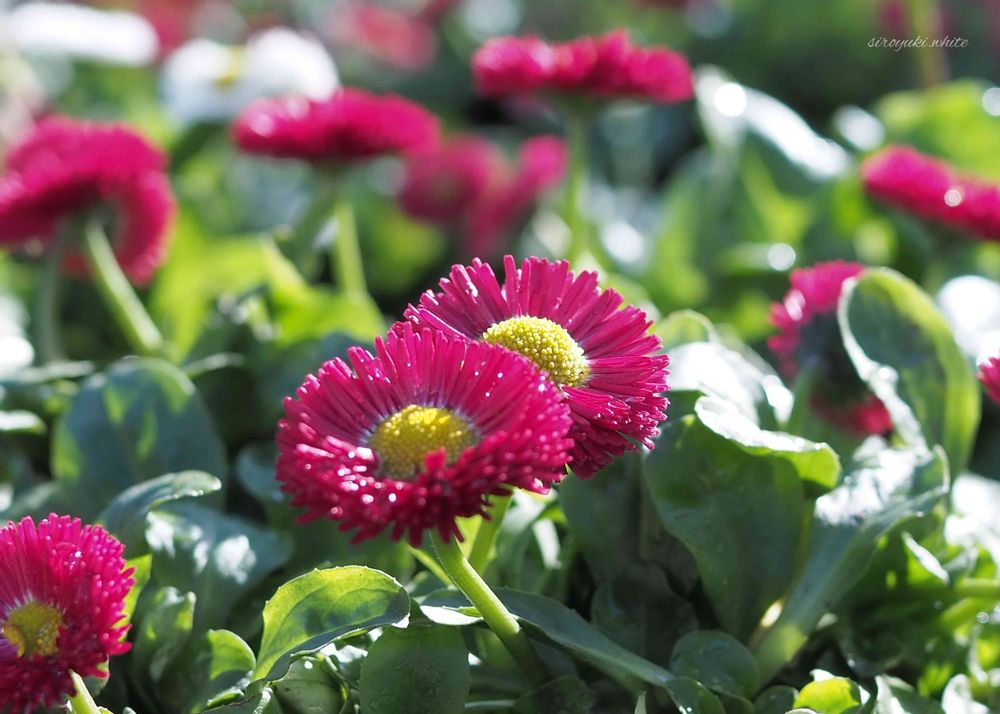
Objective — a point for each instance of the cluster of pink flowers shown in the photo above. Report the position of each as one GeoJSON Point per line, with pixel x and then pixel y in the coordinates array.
{"type": "Point", "coordinates": [467, 183]}
{"type": "Point", "coordinates": [422, 432]}
{"type": "Point", "coordinates": [932, 189]}
{"type": "Point", "coordinates": [62, 592]}
{"type": "Point", "coordinates": [398, 39]}
{"type": "Point", "coordinates": [609, 66]}
{"type": "Point", "coordinates": [65, 168]}
{"type": "Point", "coordinates": [809, 337]}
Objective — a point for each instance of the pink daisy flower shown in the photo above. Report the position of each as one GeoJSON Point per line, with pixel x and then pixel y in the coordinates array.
{"type": "Point", "coordinates": [65, 168]}
{"type": "Point", "coordinates": [352, 125]}
{"type": "Point", "coordinates": [608, 66]}
{"type": "Point", "coordinates": [598, 352]}
{"type": "Point", "coordinates": [419, 434]}
{"type": "Point", "coordinates": [933, 189]}
{"type": "Point", "coordinates": [396, 38]}
{"type": "Point", "coordinates": [467, 183]}
{"type": "Point", "coordinates": [989, 375]}
{"type": "Point", "coordinates": [62, 593]}
{"type": "Point", "coordinates": [440, 183]}
{"type": "Point", "coordinates": [809, 335]}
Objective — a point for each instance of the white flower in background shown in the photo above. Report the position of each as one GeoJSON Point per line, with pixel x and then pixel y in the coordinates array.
{"type": "Point", "coordinates": [207, 81]}
{"type": "Point", "coordinates": [78, 32]}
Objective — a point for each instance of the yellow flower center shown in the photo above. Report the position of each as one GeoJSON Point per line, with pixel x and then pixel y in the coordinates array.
{"type": "Point", "coordinates": [33, 628]}
{"type": "Point", "coordinates": [404, 439]}
{"type": "Point", "coordinates": [545, 343]}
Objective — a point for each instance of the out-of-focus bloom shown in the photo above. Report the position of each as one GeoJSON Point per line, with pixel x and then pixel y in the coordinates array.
{"type": "Point", "coordinates": [390, 36]}
{"type": "Point", "coordinates": [351, 125]}
{"type": "Point", "coordinates": [989, 375]}
{"type": "Point", "coordinates": [468, 183]}
{"type": "Point", "coordinates": [932, 189]}
{"type": "Point", "coordinates": [609, 66]}
{"type": "Point", "coordinates": [598, 352]}
{"type": "Point", "coordinates": [62, 593]}
{"type": "Point", "coordinates": [65, 168]}
{"type": "Point", "coordinates": [441, 182]}
{"type": "Point", "coordinates": [419, 434]}
{"type": "Point", "coordinates": [809, 338]}
{"type": "Point", "coordinates": [207, 81]}
{"type": "Point", "coordinates": [84, 33]}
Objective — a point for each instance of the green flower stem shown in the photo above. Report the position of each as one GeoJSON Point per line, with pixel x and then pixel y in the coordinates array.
{"type": "Point", "coordinates": [577, 137]}
{"type": "Point", "coordinates": [486, 536]}
{"type": "Point", "coordinates": [932, 62]}
{"type": "Point", "coordinates": [346, 254]}
{"type": "Point", "coordinates": [979, 588]}
{"type": "Point", "coordinates": [82, 702]}
{"type": "Point", "coordinates": [301, 247]}
{"type": "Point", "coordinates": [492, 610]}
{"type": "Point", "coordinates": [45, 319]}
{"type": "Point", "coordinates": [802, 390]}
{"type": "Point", "coordinates": [118, 294]}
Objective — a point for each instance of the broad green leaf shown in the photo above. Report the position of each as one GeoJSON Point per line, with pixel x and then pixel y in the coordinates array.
{"type": "Point", "coordinates": [717, 660]}
{"type": "Point", "coordinates": [163, 631]}
{"type": "Point", "coordinates": [904, 350]}
{"type": "Point", "coordinates": [775, 700]}
{"type": "Point", "coordinates": [836, 695]}
{"type": "Point", "coordinates": [737, 498]}
{"type": "Point", "coordinates": [565, 694]}
{"type": "Point", "coordinates": [310, 687]}
{"type": "Point", "coordinates": [142, 566]}
{"type": "Point", "coordinates": [140, 419]}
{"type": "Point", "coordinates": [880, 492]}
{"type": "Point", "coordinates": [419, 669]}
{"type": "Point", "coordinates": [565, 627]}
{"type": "Point", "coordinates": [125, 516]}
{"type": "Point", "coordinates": [313, 610]}
{"type": "Point", "coordinates": [19, 421]}
{"type": "Point", "coordinates": [218, 557]}
{"type": "Point", "coordinates": [211, 670]}
{"type": "Point", "coordinates": [263, 702]}
{"type": "Point", "coordinates": [958, 699]}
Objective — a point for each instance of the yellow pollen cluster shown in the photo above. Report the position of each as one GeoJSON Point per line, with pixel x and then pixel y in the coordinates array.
{"type": "Point", "coordinates": [545, 343]}
{"type": "Point", "coordinates": [33, 628]}
{"type": "Point", "coordinates": [404, 439]}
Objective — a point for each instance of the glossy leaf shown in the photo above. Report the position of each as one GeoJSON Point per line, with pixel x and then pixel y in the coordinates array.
{"type": "Point", "coordinates": [419, 669]}
{"type": "Point", "coordinates": [211, 670]}
{"type": "Point", "coordinates": [717, 660]}
{"type": "Point", "coordinates": [315, 609]}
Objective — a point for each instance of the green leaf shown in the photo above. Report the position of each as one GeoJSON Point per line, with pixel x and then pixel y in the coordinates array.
{"type": "Point", "coordinates": [310, 687]}
{"type": "Point", "coordinates": [736, 497]}
{"type": "Point", "coordinates": [263, 702]}
{"type": "Point", "coordinates": [142, 567]}
{"type": "Point", "coordinates": [20, 421]}
{"type": "Point", "coordinates": [164, 630]}
{"type": "Point", "coordinates": [218, 557]}
{"type": "Point", "coordinates": [897, 697]}
{"type": "Point", "coordinates": [883, 490]}
{"type": "Point", "coordinates": [836, 695]}
{"type": "Point", "coordinates": [566, 695]}
{"type": "Point", "coordinates": [140, 419]}
{"type": "Point", "coordinates": [211, 670]}
{"type": "Point", "coordinates": [683, 326]}
{"type": "Point", "coordinates": [125, 516]}
{"type": "Point", "coordinates": [558, 623]}
{"type": "Point", "coordinates": [313, 610]}
{"type": "Point", "coordinates": [904, 350]}
{"type": "Point", "coordinates": [775, 700]}
{"type": "Point", "coordinates": [717, 660]}
{"type": "Point", "coordinates": [419, 669]}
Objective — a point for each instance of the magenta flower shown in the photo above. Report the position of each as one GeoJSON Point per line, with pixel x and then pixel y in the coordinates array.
{"type": "Point", "coordinates": [608, 66]}
{"type": "Point", "coordinates": [352, 125]}
{"type": "Point", "coordinates": [932, 189]}
{"type": "Point", "coordinates": [65, 168]}
{"type": "Point", "coordinates": [810, 336]}
{"type": "Point", "coordinates": [468, 184]}
{"type": "Point", "coordinates": [62, 594]}
{"type": "Point", "coordinates": [599, 353]}
{"type": "Point", "coordinates": [398, 39]}
{"type": "Point", "coordinates": [989, 375]}
{"type": "Point", "coordinates": [419, 434]}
